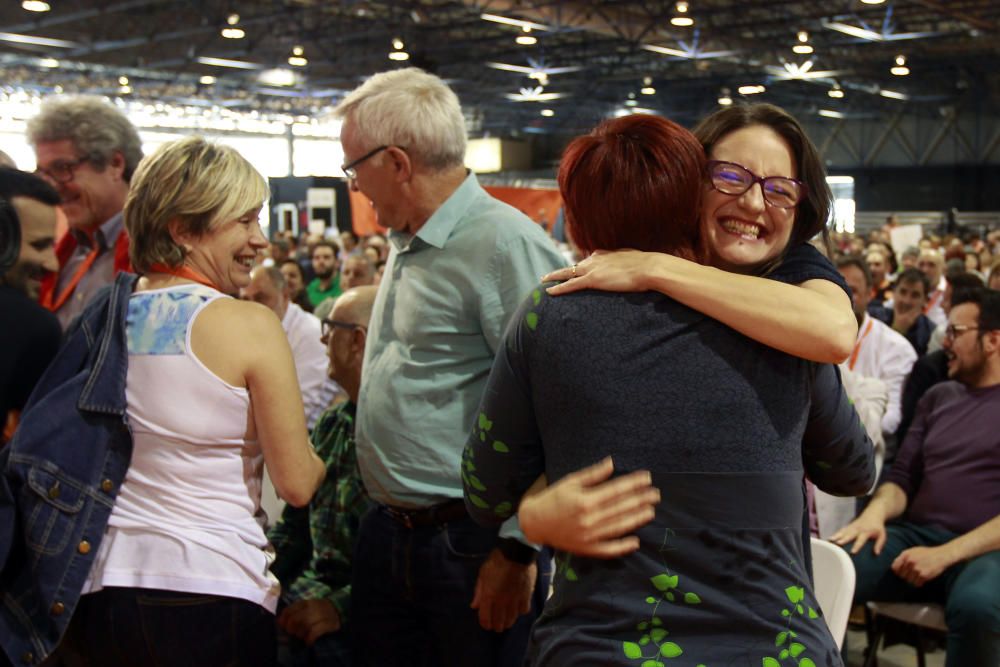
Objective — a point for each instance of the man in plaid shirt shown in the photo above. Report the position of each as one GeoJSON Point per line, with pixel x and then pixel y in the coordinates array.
{"type": "Point", "coordinates": [314, 543]}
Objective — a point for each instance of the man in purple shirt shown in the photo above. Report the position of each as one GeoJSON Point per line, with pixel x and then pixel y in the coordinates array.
{"type": "Point", "coordinates": [943, 495]}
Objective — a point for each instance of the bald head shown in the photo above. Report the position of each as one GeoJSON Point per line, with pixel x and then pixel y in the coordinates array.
{"type": "Point", "coordinates": [267, 287]}
{"type": "Point", "coordinates": [931, 262]}
{"type": "Point", "coordinates": [355, 305]}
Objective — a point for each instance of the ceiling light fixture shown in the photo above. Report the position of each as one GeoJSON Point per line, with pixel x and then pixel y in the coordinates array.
{"type": "Point", "coordinates": [298, 58]}
{"type": "Point", "coordinates": [123, 81]}
{"type": "Point", "coordinates": [803, 47]}
{"type": "Point", "coordinates": [233, 32]}
{"type": "Point", "coordinates": [495, 18]}
{"type": "Point", "coordinates": [35, 6]}
{"type": "Point", "coordinates": [724, 99]}
{"type": "Point", "coordinates": [277, 77]}
{"type": "Point", "coordinates": [125, 90]}
{"type": "Point", "coordinates": [48, 62]}
{"type": "Point", "coordinates": [829, 113]}
{"type": "Point", "coordinates": [682, 20]}
{"type": "Point", "coordinates": [207, 80]}
{"type": "Point", "coordinates": [836, 92]}
{"type": "Point", "coordinates": [398, 54]}
{"type": "Point", "coordinates": [226, 62]}
{"type": "Point", "coordinates": [526, 39]}
{"type": "Point", "coordinates": [750, 90]}
{"type": "Point", "coordinates": [893, 95]}
{"type": "Point", "coordinates": [647, 86]}
{"type": "Point", "coordinates": [548, 113]}
{"type": "Point", "coordinates": [872, 2]}
{"type": "Point", "coordinates": [37, 41]}
{"type": "Point", "coordinates": [900, 69]}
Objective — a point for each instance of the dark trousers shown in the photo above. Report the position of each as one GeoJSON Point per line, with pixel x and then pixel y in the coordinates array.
{"type": "Point", "coordinates": [124, 627]}
{"type": "Point", "coordinates": [410, 596]}
{"type": "Point", "coordinates": [970, 592]}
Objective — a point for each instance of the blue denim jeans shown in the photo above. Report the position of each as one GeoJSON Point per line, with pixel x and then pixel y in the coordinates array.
{"type": "Point", "coordinates": [970, 592]}
{"type": "Point", "coordinates": [136, 626]}
{"type": "Point", "coordinates": [410, 596]}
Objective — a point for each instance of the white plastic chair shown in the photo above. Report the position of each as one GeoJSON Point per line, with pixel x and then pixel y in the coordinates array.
{"type": "Point", "coordinates": [834, 576]}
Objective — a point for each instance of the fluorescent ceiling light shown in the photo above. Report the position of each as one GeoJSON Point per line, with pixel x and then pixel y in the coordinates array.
{"type": "Point", "coordinates": [548, 113]}
{"type": "Point", "coordinates": [750, 90]}
{"type": "Point", "coordinates": [648, 90]}
{"type": "Point", "coordinates": [725, 100]}
{"type": "Point", "coordinates": [35, 6]}
{"type": "Point", "coordinates": [526, 40]}
{"type": "Point", "coordinates": [518, 22]}
{"type": "Point", "coordinates": [892, 94]}
{"type": "Point", "coordinates": [37, 41]}
{"type": "Point", "coordinates": [900, 70]}
{"type": "Point", "coordinates": [872, 36]}
{"type": "Point", "coordinates": [853, 31]}
{"type": "Point", "coordinates": [207, 80]}
{"type": "Point", "coordinates": [872, 2]}
{"type": "Point", "coordinates": [667, 51]}
{"type": "Point", "coordinates": [48, 62]}
{"type": "Point", "coordinates": [828, 113]}
{"type": "Point", "coordinates": [682, 21]}
{"type": "Point", "coordinates": [399, 55]}
{"type": "Point", "coordinates": [836, 93]}
{"type": "Point", "coordinates": [297, 61]}
{"type": "Point", "coordinates": [277, 77]}
{"type": "Point", "coordinates": [225, 62]}
{"type": "Point", "coordinates": [802, 49]}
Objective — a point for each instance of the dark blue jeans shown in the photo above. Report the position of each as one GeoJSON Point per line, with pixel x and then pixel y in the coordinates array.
{"type": "Point", "coordinates": [410, 596]}
{"type": "Point", "coordinates": [330, 650]}
{"type": "Point", "coordinates": [136, 626]}
{"type": "Point", "coordinates": [970, 592]}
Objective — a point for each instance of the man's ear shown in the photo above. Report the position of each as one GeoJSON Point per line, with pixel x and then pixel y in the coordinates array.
{"type": "Point", "coordinates": [401, 163]}
{"type": "Point", "coordinates": [991, 341]}
{"type": "Point", "coordinates": [117, 165]}
{"type": "Point", "coordinates": [358, 337]}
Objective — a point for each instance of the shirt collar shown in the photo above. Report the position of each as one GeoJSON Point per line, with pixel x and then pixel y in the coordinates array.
{"type": "Point", "coordinates": [105, 236]}
{"type": "Point", "coordinates": [438, 228]}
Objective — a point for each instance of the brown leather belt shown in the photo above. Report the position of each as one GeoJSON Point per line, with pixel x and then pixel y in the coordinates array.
{"type": "Point", "coordinates": [435, 515]}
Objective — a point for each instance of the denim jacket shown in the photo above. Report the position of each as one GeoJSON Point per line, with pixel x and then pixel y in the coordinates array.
{"type": "Point", "coordinates": [59, 477]}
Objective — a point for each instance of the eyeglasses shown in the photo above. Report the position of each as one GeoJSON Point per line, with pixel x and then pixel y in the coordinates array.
{"type": "Point", "coordinates": [953, 330]}
{"type": "Point", "coordinates": [61, 171]}
{"type": "Point", "coordinates": [349, 168]}
{"type": "Point", "coordinates": [327, 326]}
{"type": "Point", "coordinates": [730, 178]}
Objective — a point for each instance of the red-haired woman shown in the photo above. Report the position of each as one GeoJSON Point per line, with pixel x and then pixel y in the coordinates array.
{"type": "Point", "coordinates": [719, 574]}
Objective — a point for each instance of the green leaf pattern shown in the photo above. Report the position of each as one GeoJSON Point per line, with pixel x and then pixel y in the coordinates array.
{"type": "Point", "coordinates": [792, 650]}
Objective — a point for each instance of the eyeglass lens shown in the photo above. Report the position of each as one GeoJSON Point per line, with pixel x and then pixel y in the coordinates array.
{"type": "Point", "coordinates": [733, 179]}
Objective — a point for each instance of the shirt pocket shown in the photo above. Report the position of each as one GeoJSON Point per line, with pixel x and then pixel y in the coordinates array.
{"type": "Point", "coordinates": [52, 503]}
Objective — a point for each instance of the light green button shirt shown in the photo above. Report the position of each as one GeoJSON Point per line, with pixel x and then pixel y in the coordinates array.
{"type": "Point", "coordinates": [440, 313]}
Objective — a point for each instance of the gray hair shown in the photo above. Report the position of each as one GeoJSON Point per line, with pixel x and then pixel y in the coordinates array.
{"type": "Point", "coordinates": [411, 109]}
{"type": "Point", "coordinates": [96, 128]}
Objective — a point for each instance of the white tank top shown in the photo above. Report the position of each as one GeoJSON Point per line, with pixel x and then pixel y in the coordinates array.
{"type": "Point", "coordinates": [188, 515]}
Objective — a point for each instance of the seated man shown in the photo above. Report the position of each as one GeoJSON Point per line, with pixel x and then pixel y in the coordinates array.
{"type": "Point", "coordinates": [314, 543]}
{"type": "Point", "coordinates": [943, 496]}
{"type": "Point", "coordinates": [906, 315]}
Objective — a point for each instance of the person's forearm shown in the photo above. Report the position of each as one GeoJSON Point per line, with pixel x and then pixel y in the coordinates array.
{"type": "Point", "coordinates": [976, 542]}
{"type": "Point", "coordinates": [888, 502]}
{"type": "Point", "coordinates": [804, 322]}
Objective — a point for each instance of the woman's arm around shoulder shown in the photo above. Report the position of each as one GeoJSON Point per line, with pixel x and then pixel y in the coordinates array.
{"type": "Point", "coordinates": [250, 343]}
{"type": "Point", "coordinates": [812, 320]}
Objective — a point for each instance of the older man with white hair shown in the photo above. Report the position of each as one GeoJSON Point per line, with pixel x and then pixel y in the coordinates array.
{"type": "Point", "coordinates": [430, 585]}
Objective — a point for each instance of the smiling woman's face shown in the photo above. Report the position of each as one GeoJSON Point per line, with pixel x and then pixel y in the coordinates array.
{"type": "Point", "coordinates": [743, 232]}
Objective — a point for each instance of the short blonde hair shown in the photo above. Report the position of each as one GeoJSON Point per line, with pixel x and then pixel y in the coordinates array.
{"type": "Point", "coordinates": [193, 181]}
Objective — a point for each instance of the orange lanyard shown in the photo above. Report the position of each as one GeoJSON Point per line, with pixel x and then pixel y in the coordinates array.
{"type": "Point", "coordinates": [55, 304]}
{"type": "Point", "coordinates": [185, 272]}
{"type": "Point", "coordinates": [857, 346]}
{"type": "Point", "coordinates": [933, 301]}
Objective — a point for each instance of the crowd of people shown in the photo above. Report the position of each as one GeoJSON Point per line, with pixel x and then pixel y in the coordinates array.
{"type": "Point", "coordinates": [222, 446]}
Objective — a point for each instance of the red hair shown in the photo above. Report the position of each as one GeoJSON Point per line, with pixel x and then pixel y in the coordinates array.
{"type": "Point", "coordinates": [634, 182]}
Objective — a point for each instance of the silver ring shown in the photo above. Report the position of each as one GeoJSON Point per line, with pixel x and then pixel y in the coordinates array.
{"type": "Point", "coordinates": [574, 270]}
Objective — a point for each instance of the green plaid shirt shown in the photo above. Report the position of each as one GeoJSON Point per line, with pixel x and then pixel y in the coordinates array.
{"type": "Point", "coordinates": [314, 543]}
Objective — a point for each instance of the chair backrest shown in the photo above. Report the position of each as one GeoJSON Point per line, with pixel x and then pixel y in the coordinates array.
{"type": "Point", "coordinates": [833, 572]}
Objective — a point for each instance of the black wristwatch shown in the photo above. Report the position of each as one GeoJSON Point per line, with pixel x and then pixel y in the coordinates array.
{"type": "Point", "coordinates": [516, 551]}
